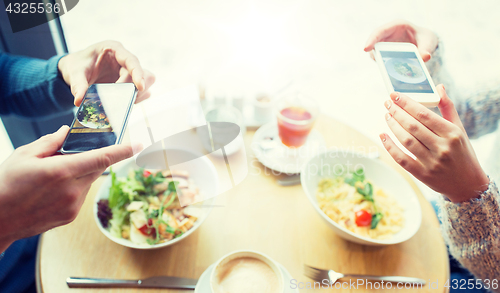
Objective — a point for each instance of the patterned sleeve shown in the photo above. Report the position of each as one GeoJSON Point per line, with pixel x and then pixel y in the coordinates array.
{"type": "Point", "coordinates": [471, 230]}
{"type": "Point", "coordinates": [479, 109]}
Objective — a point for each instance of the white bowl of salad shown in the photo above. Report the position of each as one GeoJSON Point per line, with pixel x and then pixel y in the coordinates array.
{"type": "Point", "coordinates": [361, 199]}
{"type": "Point", "coordinates": [140, 208]}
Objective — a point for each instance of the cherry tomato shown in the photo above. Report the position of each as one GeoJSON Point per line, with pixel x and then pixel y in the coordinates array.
{"type": "Point", "coordinates": [148, 230]}
{"type": "Point", "coordinates": [146, 173]}
{"type": "Point", "coordinates": [363, 218]}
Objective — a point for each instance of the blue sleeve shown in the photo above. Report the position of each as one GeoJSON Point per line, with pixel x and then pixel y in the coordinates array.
{"type": "Point", "coordinates": [32, 87]}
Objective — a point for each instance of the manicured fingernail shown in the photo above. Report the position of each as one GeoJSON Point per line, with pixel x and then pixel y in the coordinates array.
{"type": "Point", "coordinates": [382, 137]}
{"type": "Point", "coordinates": [387, 104]}
{"type": "Point", "coordinates": [388, 116]}
{"type": "Point", "coordinates": [396, 98]}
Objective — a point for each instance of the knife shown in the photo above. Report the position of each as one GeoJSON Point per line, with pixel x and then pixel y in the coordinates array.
{"type": "Point", "coordinates": [153, 282]}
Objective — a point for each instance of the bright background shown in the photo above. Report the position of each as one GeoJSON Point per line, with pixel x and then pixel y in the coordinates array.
{"type": "Point", "coordinates": [242, 47]}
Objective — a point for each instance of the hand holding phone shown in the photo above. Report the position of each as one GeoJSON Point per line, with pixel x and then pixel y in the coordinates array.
{"type": "Point", "coordinates": [54, 186]}
{"type": "Point", "coordinates": [407, 32]}
{"type": "Point", "coordinates": [444, 157]}
{"type": "Point", "coordinates": [102, 117]}
{"type": "Point", "coordinates": [404, 71]}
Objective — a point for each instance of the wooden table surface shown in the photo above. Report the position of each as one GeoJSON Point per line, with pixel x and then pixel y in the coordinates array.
{"type": "Point", "coordinates": [257, 214]}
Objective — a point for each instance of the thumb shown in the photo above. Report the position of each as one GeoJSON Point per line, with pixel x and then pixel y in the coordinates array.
{"type": "Point", "coordinates": [79, 86]}
{"type": "Point", "coordinates": [99, 159]}
{"type": "Point", "coordinates": [49, 144]}
{"type": "Point", "coordinates": [447, 108]}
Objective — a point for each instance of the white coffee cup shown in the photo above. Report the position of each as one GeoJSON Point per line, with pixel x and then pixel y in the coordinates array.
{"type": "Point", "coordinates": [245, 255]}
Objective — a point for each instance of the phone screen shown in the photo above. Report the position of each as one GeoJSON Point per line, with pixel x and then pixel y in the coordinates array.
{"type": "Point", "coordinates": [101, 118]}
{"type": "Point", "coordinates": [405, 72]}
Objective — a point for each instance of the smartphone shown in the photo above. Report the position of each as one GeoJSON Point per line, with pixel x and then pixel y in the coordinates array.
{"type": "Point", "coordinates": [404, 71]}
{"type": "Point", "coordinates": [102, 117]}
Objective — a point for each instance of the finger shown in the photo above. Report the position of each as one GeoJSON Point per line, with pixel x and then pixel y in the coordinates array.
{"type": "Point", "coordinates": [49, 144]}
{"type": "Point", "coordinates": [150, 79]}
{"type": "Point", "coordinates": [409, 141]}
{"type": "Point", "coordinates": [426, 42]}
{"type": "Point", "coordinates": [131, 63]}
{"type": "Point", "coordinates": [447, 108]}
{"type": "Point", "coordinates": [95, 160]}
{"type": "Point", "coordinates": [378, 35]}
{"type": "Point", "coordinates": [79, 86]}
{"type": "Point", "coordinates": [382, 33]}
{"type": "Point", "coordinates": [429, 119]}
{"type": "Point", "coordinates": [400, 157]}
{"type": "Point", "coordinates": [426, 56]}
{"type": "Point", "coordinates": [141, 96]}
{"type": "Point", "coordinates": [411, 125]}
{"type": "Point", "coordinates": [124, 76]}
{"type": "Point", "coordinates": [372, 55]}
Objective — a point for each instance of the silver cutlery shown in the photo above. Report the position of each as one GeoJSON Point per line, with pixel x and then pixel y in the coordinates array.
{"type": "Point", "coordinates": [289, 180]}
{"type": "Point", "coordinates": [153, 282]}
{"type": "Point", "coordinates": [319, 275]}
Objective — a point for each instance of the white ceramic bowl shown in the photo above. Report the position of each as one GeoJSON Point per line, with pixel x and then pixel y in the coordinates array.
{"type": "Point", "coordinates": [377, 172]}
{"type": "Point", "coordinates": [204, 175]}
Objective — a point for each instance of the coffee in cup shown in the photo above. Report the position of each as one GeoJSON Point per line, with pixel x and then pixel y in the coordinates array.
{"type": "Point", "coordinates": [246, 272]}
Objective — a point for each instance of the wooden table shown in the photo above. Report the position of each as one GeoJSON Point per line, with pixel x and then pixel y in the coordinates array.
{"type": "Point", "coordinates": [257, 214]}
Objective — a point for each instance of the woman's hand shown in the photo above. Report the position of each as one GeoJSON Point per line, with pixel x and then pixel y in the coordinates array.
{"type": "Point", "coordinates": [104, 62]}
{"type": "Point", "coordinates": [403, 31]}
{"type": "Point", "coordinates": [445, 160]}
{"type": "Point", "coordinates": [40, 190]}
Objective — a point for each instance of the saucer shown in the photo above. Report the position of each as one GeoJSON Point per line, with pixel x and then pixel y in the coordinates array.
{"type": "Point", "coordinates": [269, 150]}
{"type": "Point", "coordinates": [203, 285]}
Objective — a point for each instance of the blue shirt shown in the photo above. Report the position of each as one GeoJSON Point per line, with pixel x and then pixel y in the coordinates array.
{"type": "Point", "coordinates": [32, 87]}
{"type": "Point", "coordinates": [28, 88]}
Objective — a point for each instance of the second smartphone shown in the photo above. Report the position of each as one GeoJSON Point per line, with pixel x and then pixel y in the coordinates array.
{"type": "Point", "coordinates": [404, 71]}
{"type": "Point", "coordinates": [102, 117]}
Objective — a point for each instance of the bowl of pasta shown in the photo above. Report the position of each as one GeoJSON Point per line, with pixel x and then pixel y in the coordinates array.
{"type": "Point", "coordinates": [361, 199]}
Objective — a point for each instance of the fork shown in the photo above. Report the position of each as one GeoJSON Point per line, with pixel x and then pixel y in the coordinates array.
{"type": "Point", "coordinates": [319, 275]}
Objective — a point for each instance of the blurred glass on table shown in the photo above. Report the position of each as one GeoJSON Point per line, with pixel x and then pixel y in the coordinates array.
{"type": "Point", "coordinates": [226, 124]}
{"type": "Point", "coordinates": [296, 116]}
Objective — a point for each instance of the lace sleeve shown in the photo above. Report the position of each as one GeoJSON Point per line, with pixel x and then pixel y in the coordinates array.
{"type": "Point", "coordinates": [472, 229]}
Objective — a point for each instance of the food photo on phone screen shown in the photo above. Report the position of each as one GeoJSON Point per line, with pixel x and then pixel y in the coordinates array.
{"type": "Point", "coordinates": [405, 72]}
{"type": "Point", "coordinates": [102, 117]}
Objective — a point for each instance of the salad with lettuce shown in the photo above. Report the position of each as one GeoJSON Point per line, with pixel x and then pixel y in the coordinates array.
{"type": "Point", "coordinates": [145, 207]}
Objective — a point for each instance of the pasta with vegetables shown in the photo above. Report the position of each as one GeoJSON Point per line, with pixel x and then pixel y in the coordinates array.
{"type": "Point", "coordinates": [358, 206]}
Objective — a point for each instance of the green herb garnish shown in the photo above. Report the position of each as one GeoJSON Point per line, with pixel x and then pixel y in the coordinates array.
{"type": "Point", "coordinates": [356, 176]}
{"type": "Point", "coordinates": [170, 229]}
{"type": "Point", "coordinates": [375, 220]}
{"type": "Point", "coordinates": [366, 191]}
